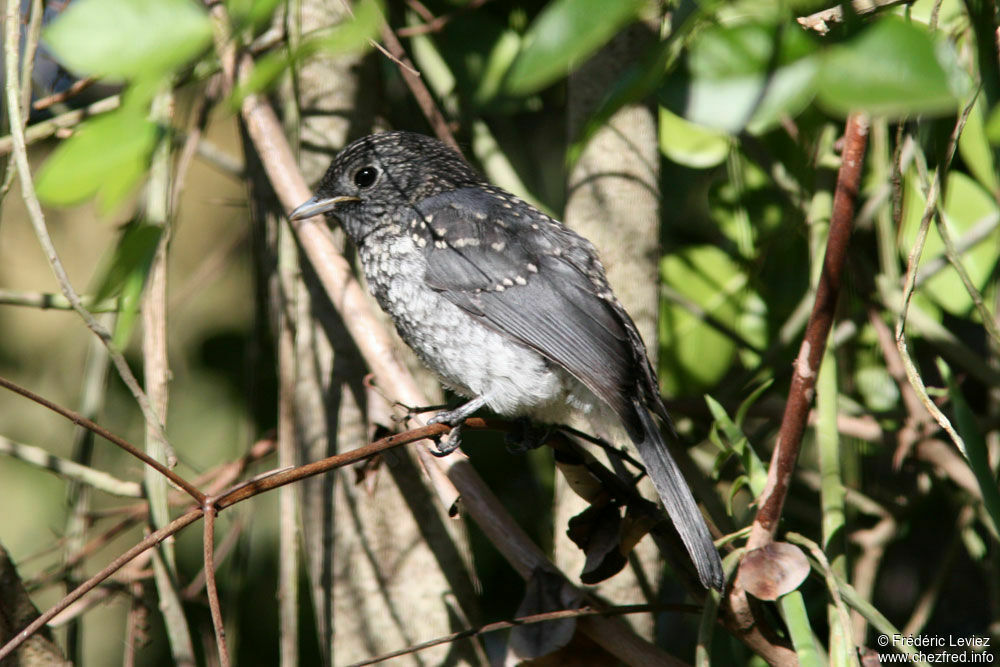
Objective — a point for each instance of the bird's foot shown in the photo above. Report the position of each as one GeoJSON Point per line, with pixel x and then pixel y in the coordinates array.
{"type": "Point", "coordinates": [454, 418]}
{"type": "Point", "coordinates": [445, 445]}
{"type": "Point", "coordinates": [526, 436]}
{"type": "Point", "coordinates": [449, 417]}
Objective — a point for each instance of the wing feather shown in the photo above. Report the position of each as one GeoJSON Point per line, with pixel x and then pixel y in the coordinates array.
{"type": "Point", "coordinates": [522, 286]}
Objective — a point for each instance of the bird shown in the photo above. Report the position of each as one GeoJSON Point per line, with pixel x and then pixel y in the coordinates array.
{"type": "Point", "coordinates": [509, 307]}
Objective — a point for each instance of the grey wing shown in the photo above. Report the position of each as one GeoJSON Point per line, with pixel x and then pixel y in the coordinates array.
{"type": "Point", "coordinates": [528, 283]}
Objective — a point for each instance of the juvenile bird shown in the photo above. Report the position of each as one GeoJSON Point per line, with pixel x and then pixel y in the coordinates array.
{"type": "Point", "coordinates": [510, 308]}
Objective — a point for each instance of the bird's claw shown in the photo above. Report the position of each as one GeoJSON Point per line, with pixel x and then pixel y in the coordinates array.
{"type": "Point", "coordinates": [447, 444]}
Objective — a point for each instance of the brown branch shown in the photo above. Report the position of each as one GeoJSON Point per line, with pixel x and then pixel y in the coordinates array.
{"type": "Point", "coordinates": [786, 450]}
{"type": "Point", "coordinates": [420, 92]}
{"type": "Point", "coordinates": [80, 420]}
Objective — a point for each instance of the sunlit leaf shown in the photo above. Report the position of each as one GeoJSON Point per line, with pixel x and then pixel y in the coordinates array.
{"type": "Point", "coordinates": [965, 204]}
{"type": "Point", "coordinates": [744, 76]}
{"type": "Point", "coordinates": [976, 150]}
{"type": "Point", "coordinates": [125, 274]}
{"type": "Point", "coordinates": [562, 36]}
{"type": "Point", "coordinates": [693, 354]}
{"type": "Point", "coordinates": [351, 35]}
{"type": "Point", "coordinates": [107, 156]}
{"type": "Point", "coordinates": [689, 144]}
{"type": "Point", "coordinates": [123, 39]}
{"type": "Point", "coordinates": [893, 68]}
{"type": "Point", "coordinates": [976, 448]}
{"type": "Point", "coordinates": [251, 12]}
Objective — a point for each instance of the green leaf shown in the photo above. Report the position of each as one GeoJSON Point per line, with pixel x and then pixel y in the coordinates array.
{"type": "Point", "coordinates": [250, 13]}
{"type": "Point", "coordinates": [976, 150]}
{"type": "Point", "coordinates": [351, 35]}
{"type": "Point", "coordinates": [975, 447]}
{"type": "Point", "coordinates": [693, 354]}
{"type": "Point", "coordinates": [107, 156]}
{"type": "Point", "coordinates": [689, 144]}
{"type": "Point", "coordinates": [756, 471]}
{"type": "Point", "coordinates": [744, 76]}
{"type": "Point", "coordinates": [134, 251]}
{"type": "Point", "coordinates": [125, 275]}
{"type": "Point", "coordinates": [892, 68]}
{"type": "Point", "coordinates": [498, 63]}
{"type": "Point", "coordinates": [562, 36]}
{"type": "Point", "coordinates": [993, 125]}
{"type": "Point", "coordinates": [965, 204]}
{"type": "Point", "coordinates": [124, 39]}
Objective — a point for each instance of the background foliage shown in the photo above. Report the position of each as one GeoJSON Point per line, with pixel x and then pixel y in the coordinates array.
{"type": "Point", "coordinates": [750, 99]}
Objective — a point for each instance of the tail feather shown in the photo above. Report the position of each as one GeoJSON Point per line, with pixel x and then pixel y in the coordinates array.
{"type": "Point", "coordinates": [678, 501]}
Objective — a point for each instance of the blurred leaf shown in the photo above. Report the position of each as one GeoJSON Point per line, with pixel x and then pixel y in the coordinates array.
{"type": "Point", "coordinates": [124, 39]}
{"type": "Point", "coordinates": [892, 68]}
{"type": "Point", "coordinates": [965, 204]}
{"type": "Point", "coordinates": [975, 149]}
{"type": "Point", "coordinates": [744, 76]}
{"type": "Point", "coordinates": [498, 63]}
{"type": "Point", "coordinates": [993, 125]}
{"type": "Point", "coordinates": [250, 13]}
{"type": "Point", "coordinates": [562, 36]}
{"type": "Point", "coordinates": [975, 446]}
{"type": "Point", "coordinates": [876, 387]}
{"type": "Point", "coordinates": [126, 273]}
{"type": "Point", "coordinates": [134, 251]}
{"type": "Point", "coordinates": [351, 35]}
{"type": "Point", "coordinates": [693, 354]}
{"type": "Point", "coordinates": [689, 144]}
{"type": "Point", "coordinates": [107, 156]}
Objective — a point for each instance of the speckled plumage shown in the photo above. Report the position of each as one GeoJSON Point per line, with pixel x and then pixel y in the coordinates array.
{"type": "Point", "coordinates": [509, 307]}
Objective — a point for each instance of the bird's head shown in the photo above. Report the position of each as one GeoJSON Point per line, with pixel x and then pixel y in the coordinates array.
{"type": "Point", "coordinates": [377, 175]}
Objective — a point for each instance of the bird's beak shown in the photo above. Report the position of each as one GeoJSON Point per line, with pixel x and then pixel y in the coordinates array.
{"type": "Point", "coordinates": [318, 205]}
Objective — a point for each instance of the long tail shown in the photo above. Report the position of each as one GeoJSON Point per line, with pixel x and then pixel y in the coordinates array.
{"type": "Point", "coordinates": [678, 501]}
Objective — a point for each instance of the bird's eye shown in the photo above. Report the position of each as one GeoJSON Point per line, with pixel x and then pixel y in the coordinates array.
{"type": "Point", "coordinates": [365, 176]}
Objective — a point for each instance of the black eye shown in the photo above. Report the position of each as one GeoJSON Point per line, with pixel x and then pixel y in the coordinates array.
{"type": "Point", "coordinates": [364, 177]}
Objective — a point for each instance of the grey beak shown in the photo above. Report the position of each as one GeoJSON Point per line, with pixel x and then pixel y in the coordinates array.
{"type": "Point", "coordinates": [318, 205]}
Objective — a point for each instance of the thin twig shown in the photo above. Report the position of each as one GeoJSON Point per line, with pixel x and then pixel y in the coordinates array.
{"type": "Point", "coordinates": [237, 494]}
{"type": "Point", "coordinates": [931, 207]}
{"type": "Point", "coordinates": [208, 547]}
{"type": "Point", "coordinates": [80, 420]}
{"type": "Point", "coordinates": [47, 128]}
{"type": "Point", "coordinates": [97, 479]}
{"type": "Point", "coordinates": [620, 610]}
{"type": "Point", "coordinates": [433, 23]}
{"type": "Point", "coordinates": [151, 540]}
{"type": "Point", "coordinates": [77, 87]}
{"type": "Point", "coordinates": [419, 89]}
{"type": "Point", "coordinates": [47, 300]}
